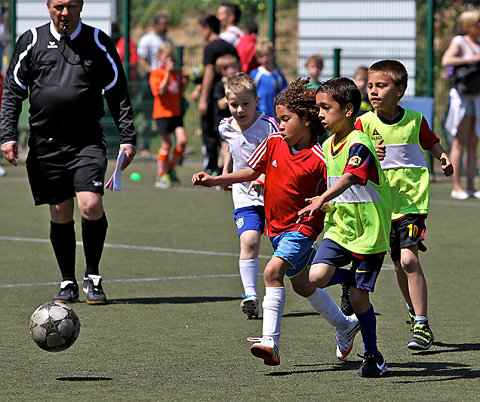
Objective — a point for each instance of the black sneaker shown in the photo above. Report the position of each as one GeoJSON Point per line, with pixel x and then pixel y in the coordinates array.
{"type": "Point", "coordinates": [92, 286]}
{"type": "Point", "coordinates": [68, 293]}
{"type": "Point", "coordinates": [422, 337]}
{"type": "Point", "coordinates": [373, 365]}
{"type": "Point", "coordinates": [345, 304]}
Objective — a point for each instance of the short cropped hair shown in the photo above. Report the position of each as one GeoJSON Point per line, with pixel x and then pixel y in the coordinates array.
{"type": "Point", "coordinates": [316, 59]}
{"type": "Point", "coordinates": [394, 69]}
{"type": "Point", "coordinates": [264, 47]}
{"type": "Point", "coordinates": [344, 91]}
{"type": "Point", "coordinates": [227, 60]}
{"type": "Point", "coordinates": [468, 19]}
{"type": "Point", "coordinates": [211, 22]}
{"type": "Point", "coordinates": [238, 83]}
{"type": "Point", "coordinates": [158, 18]}
{"type": "Point", "coordinates": [300, 99]}
{"type": "Point", "coordinates": [251, 26]}
{"type": "Point", "coordinates": [361, 70]}
{"type": "Point", "coordinates": [233, 9]}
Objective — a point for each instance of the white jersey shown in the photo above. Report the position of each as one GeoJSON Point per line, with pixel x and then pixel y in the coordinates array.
{"type": "Point", "coordinates": [148, 47]}
{"type": "Point", "coordinates": [232, 35]}
{"type": "Point", "coordinates": [242, 144]}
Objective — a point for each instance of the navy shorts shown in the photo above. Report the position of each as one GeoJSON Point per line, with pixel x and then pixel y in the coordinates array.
{"type": "Point", "coordinates": [365, 267]}
{"type": "Point", "coordinates": [406, 232]}
{"type": "Point", "coordinates": [167, 125]}
{"type": "Point", "coordinates": [57, 171]}
{"type": "Point", "coordinates": [249, 218]}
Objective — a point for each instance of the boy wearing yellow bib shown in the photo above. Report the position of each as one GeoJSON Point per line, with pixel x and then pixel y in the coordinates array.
{"type": "Point", "coordinates": [357, 222]}
{"type": "Point", "coordinates": [400, 137]}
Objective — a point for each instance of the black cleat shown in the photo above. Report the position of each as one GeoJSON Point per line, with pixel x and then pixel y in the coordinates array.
{"type": "Point", "coordinates": [345, 304]}
{"type": "Point", "coordinates": [92, 286]}
{"type": "Point", "coordinates": [68, 293]}
{"type": "Point", "coordinates": [422, 337]}
{"type": "Point", "coordinates": [373, 366]}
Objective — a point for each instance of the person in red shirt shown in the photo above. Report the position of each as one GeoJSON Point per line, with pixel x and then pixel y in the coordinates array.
{"type": "Point", "coordinates": [294, 167]}
{"type": "Point", "coordinates": [168, 85]}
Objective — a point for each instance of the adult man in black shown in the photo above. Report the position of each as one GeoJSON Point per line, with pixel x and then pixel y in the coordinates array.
{"type": "Point", "coordinates": [64, 66]}
{"type": "Point", "coordinates": [215, 48]}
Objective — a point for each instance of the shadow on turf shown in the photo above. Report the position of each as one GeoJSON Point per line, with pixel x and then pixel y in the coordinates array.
{"type": "Point", "coordinates": [84, 378]}
{"type": "Point", "coordinates": [172, 300]}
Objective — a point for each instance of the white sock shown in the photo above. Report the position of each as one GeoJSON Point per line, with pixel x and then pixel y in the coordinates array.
{"type": "Point", "coordinates": [324, 305]}
{"type": "Point", "coordinates": [420, 318]}
{"type": "Point", "coordinates": [249, 275]}
{"type": "Point", "coordinates": [273, 304]}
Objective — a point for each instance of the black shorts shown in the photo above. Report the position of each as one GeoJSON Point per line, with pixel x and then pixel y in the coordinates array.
{"type": "Point", "coordinates": [406, 232]}
{"type": "Point", "coordinates": [56, 171]}
{"type": "Point", "coordinates": [167, 125]}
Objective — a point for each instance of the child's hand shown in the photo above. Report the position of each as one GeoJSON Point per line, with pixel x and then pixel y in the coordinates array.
{"type": "Point", "coordinates": [203, 179]}
{"type": "Point", "coordinates": [381, 150]}
{"type": "Point", "coordinates": [169, 65]}
{"type": "Point", "coordinates": [447, 166]}
{"type": "Point", "coordinates": [256, 185]}
{"type": "Point", "coordinates": [316, 203]}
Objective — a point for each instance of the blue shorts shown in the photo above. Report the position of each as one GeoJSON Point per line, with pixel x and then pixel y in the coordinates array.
{"type": "Point", "coordinates": [249, 218]}
{"type": "Point", "coordinates": [365, 267]}
{"type": "Point", "coordinates": [295, 248]}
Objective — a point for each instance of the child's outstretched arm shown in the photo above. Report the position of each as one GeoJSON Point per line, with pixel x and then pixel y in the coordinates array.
{"type": "Point", "coordinates": [206, 180]}
{"type": "Point", "coordinates": [321, 201]}
{"type": "Point", "coordinates": [438, 152]}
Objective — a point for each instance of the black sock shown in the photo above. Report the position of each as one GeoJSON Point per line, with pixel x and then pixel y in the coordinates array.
{"type": "Point", "coordinates": [62, 236]}
{"type": "Point", "coordinates": [93, 236]}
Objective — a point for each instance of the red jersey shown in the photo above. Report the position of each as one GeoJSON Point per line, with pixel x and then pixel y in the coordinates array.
{"type": "Point", "coordinates": [289, 179]}
{"type": "Point", "coordinates": [168, 104]}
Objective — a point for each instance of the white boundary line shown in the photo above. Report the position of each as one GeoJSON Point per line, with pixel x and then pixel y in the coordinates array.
{"type": "Point", "coordinates": [386, 267]}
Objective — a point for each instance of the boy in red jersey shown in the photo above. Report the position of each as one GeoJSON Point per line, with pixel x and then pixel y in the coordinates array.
{"type": "Point", "coordinates": [294, 168]}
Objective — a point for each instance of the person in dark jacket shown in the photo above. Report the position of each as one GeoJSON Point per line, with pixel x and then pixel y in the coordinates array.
{"type": "Point", "coordinates": [65, 67]}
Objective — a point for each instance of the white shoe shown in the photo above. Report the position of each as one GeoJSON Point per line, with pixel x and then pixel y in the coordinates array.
{"type": "Point", "coordinates": [459, 195]}
{"type": "Point", "coordinates": [266, 349]}
{"type": "Point", "coordinates": [249, 306]}
{"type": "Point", "coordinates": [344, 339]}
{"type": "Point", "coordinates": [474, 194]}
{"type": "Point", "coordinates": [3, 172]}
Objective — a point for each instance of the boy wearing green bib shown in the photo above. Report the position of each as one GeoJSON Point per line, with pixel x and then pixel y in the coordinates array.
{"type": "Point", "coordinates": [400, 137]}
{"type": "Point", "coordinates": [357, 222]}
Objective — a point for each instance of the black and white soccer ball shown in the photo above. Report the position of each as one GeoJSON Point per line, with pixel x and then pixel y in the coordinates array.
{"type": "Point", "coordinates": [54, 326]}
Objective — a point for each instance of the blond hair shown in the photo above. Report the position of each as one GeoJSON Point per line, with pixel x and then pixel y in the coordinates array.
{"type": "Point", "coordinates": [264, 47]}
{"type": "Point", "coordinates": [238, 83]}
{"type": "Point", "coordinates": [165, 48]}
{"type": "Point", "coordinates": [225, 61]}
{"type": "Point", "coordinates": [469, 19]}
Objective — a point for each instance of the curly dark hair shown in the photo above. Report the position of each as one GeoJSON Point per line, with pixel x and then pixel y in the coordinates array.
{"type": "Point", "coordinates": [301, 100]}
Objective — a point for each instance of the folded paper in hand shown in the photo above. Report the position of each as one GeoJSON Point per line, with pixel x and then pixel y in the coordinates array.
{"type": "Point", "coordinates": [115, 183]}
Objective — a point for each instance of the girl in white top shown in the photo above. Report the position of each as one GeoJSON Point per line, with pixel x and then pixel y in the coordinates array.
{"type": "Point", "coordinates": [463, 120]}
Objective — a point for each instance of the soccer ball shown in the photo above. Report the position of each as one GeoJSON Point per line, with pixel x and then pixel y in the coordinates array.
{"type": "Point", "coordinates": [54, 326]}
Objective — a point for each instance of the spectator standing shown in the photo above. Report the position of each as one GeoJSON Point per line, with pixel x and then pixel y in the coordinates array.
{"type": "Point", "coordinates": [229, 16]}
{"type": "Point", "coordinates": [314, 66]}
{"type": "Point", "coordinates": [246, 47]}
{"type": "Point", "coordinates": [463, 119]}
{"type": "Point", "coordinates": [269, 80]}
{"type": "Point", "coordinates": [215, 48]}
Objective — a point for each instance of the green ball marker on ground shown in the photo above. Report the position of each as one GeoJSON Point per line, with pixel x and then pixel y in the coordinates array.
{"type": "Point", "coordinates": [135, 176]}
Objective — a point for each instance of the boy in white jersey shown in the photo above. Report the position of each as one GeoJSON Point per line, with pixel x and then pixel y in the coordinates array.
{"type": "Point", "coordinates": [243, 132]}
{"type": "Point", "coordinates": [399, 136]}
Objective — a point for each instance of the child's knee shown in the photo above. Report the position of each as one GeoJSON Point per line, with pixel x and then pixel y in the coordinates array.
{"type": "Point", "coordinates": [319, 275]}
